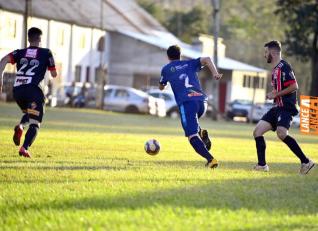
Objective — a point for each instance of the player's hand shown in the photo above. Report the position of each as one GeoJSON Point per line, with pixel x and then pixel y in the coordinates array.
{"type": "Point", "coordinates": [271, 95]}
{"type": "Point", "coordinates": [218, 76]}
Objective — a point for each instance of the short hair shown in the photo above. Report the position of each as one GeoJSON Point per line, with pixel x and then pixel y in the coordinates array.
{"type": "Point", "coordinates": [276, 45]}
{"type": "Point", "coordinates": [33, 34]}
{"type": "Point", "coordinates": [174, 52]}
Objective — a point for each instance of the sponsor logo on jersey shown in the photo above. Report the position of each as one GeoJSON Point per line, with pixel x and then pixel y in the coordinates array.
{"type": "Point", "coordinates": [22, 80]}
{"type": "Point", "coordinates": [194, 93]}
{"type": "Point", "coordinates": [31, 53]}
{"type": "Point", "coordinates": [180, 67]}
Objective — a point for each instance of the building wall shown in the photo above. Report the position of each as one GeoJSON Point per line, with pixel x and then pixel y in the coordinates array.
{"type": "Point", "coordinates": [131, 59]}
{"type": "Point", "coordinates": [74, 47]}
{"type": "Point", "coordinates": [239, 91]}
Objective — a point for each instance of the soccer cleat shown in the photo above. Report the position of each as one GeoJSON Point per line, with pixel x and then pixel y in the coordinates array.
{"type": "Point", "coordinates": [212, 163]}
{"type": "Point", "coordinates": [261, 168]}
{"type": "Point", "coordinates": [305, 168]}
{"type": "Point", "coordinates": [24, 152]}
{"type": "Point", "coordinates": [18, 131]}
{"type": "Point", "coordinates": [205, 138]}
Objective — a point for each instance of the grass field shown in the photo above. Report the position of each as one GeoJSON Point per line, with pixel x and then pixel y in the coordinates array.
{"type": "Point", "coordinates": [89, 172]}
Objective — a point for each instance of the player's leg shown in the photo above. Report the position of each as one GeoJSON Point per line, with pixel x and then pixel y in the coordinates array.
{"type": "Point", "coordinates": [35, 111]}
{"type": "Point", "coordinates": [267, 123]}
{"type": "Point", "coordinates": [282, 132]}
{"type": "Point", "coordinates": [190, 124]}
{"type": "Point", "coordinates": [203, 133]}
{"type": "Point", "coordinates": [23, 104]}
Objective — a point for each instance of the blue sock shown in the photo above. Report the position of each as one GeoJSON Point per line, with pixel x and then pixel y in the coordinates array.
{"type": "Point", "coordinates": [200, 148]}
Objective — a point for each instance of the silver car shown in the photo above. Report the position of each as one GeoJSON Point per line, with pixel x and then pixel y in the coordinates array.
{"type": "Point", "coordinates": [131, 100]}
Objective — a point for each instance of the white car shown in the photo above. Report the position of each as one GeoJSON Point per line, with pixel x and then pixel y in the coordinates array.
{"type": "Point", "coordinates": [131, 100]}
{"type": "Point", "coordinates": [172, 109]}
{"type": "Point", "coordinates": [258, 110]}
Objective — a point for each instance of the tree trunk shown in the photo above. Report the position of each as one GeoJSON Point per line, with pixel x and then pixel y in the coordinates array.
{"type": "Point", "coordinates": [314, 63]}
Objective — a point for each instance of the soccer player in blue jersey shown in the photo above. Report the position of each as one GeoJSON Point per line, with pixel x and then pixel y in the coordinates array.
{"type": "Point", "coordinates": [32, 63]}
{"type": "Point", "coordinates": [281, 115]}
{"type": "Point", "coordinates": [192, 102]}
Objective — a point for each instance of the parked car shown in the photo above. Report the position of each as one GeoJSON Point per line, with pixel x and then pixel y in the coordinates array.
{"type": "Point", "coordinates": [296, 121]}
{"type": "Point", "coordinates": [171, 105]}
{"type": "Point", "coordinates": [75, 95]}
{"type": "Point", "coordinates": [238, 108]}
{"type": "Point", "coordinates": [131, 100]}
{"type": "Point", "coordinates": [259, 110]}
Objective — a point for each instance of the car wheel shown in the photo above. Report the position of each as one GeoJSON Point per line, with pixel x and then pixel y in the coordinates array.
{"type": "Point", "coordinates": [132, 109]}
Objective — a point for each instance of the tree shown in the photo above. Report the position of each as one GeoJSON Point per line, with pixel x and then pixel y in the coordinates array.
{"type": "Point", "coordinates": [302, 33]}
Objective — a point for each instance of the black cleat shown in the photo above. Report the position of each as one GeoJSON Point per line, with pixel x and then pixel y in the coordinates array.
{"type": "Point", "coordinates": [205, 138]}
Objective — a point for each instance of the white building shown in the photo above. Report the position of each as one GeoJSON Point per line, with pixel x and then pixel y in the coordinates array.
{"type": "Point", "coordinates": [134, 51]}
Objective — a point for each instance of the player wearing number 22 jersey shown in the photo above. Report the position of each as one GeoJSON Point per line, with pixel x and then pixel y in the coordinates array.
{"type": "Point", "coordinates": [183, 78]}
{"type": "Point", "coordinates": [32, 63]}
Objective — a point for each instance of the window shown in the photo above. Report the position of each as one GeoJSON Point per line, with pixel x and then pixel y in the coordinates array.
{"type": "Point", "coordinates": [78, 72]}
{"type": "Point", "coordinates": [245, 81]}
{"type": "Point", "coordinates": [108, 93]}
{"type": "Point", "coordinates": [120, 93]}
{"type": "Point", "coordinates": [88, 69]}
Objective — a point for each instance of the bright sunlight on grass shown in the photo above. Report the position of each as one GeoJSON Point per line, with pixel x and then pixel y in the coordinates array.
{"type": "Point", "coordinates": [89, 172]}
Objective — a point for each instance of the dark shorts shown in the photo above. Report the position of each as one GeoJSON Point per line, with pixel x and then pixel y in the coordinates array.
{"type": "Point", "coordinates": [277, 116]}
{"type": "Point", "coordinates": [30, 100]}
{"type": "Point", "coordinates": [190, 112]}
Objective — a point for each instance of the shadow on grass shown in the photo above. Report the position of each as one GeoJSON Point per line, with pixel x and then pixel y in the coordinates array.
{"type": "Point", "coordinates": [286, 195]}
{"type": "Point", "coordinates": [117, 164]}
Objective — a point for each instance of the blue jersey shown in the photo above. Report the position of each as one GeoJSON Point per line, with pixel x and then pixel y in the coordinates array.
{"type": "Point", "coordinates": [32, 63]}
{"type": "Point", "coordinates": [183, 78]}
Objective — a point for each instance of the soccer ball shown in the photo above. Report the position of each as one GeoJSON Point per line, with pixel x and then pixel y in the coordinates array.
{"type": "Point", "coordinates": [152, 147]}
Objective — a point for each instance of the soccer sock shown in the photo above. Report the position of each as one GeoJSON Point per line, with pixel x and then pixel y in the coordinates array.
{"type": "Point", "coordinates": [200, 148]}
{"type": "Point", "coordinates": [30, 135]}
{"type": "Point", "coordinates": [260, 147]}
{"type": "Point", "coordinates": [292, 144]}
{"type": "Point", "coordinates": [24, 120]}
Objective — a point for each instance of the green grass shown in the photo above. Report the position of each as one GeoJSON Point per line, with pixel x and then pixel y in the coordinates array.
{"type": "Point", "coordinates": [89, 172]}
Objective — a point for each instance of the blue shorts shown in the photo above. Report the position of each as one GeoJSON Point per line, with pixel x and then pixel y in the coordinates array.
{"type": "Point", "coordinates": [277, 116]}
{"type": "Point", "coordinates": [190, 112]}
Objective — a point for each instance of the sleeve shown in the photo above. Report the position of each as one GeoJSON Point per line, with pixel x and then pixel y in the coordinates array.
{"type": "Point", "coordinates": [51, 63]}
{"type": "Point", "coordinates": [288, 76]}
{"type": "Point", "coordinates": [13, 56]}
{"type": "Point", "coordinates": [163, 80]}
{"type": "Point", "coordinates": [196, 64]}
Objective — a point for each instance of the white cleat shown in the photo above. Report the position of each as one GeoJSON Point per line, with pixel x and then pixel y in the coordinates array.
{"type": "Point", "coordinates": [305, 168]}
{"type": "Point", "coordinates": [261, 168]}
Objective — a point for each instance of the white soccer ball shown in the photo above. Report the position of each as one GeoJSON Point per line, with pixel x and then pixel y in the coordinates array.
{"type": "Point", "coordinates": [152, 147]}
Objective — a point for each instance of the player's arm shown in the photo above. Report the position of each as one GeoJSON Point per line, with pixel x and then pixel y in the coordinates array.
{"type": "Point", "coordinates": [291, 88]}
{"type": "Point", "coordinates": [161, 86]}
{"type": "Point", "coordinates": [6, 59]}
{"type": "Point", "coordinates": [207, 62]}
{"type": "Point", "coordinates": [163, 81]}
{"type": "Point", "coordinates": [53, 73]}
{"type": "Point", "coordinates": [51, 65]}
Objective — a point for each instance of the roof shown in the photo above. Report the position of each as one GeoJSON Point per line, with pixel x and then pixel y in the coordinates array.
{"type": "Point", "coordinates": [117, 14]}
{"type": "Point", "coordinates": [165, 39]}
